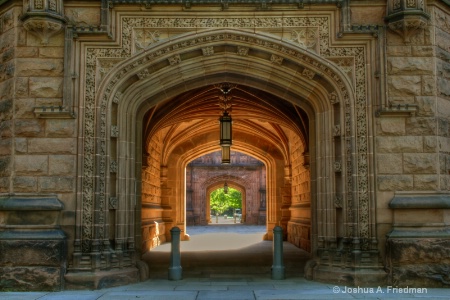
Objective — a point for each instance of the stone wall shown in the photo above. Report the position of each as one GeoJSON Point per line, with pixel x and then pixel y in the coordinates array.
{"type": "Point", "coordinates": [153, 228]}
{"type": "Point", "coordinates": [299, 226]}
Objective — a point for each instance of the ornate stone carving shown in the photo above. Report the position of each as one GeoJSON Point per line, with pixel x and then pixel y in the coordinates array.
{"type": "Point", "coordinates": [333, 97]}
{"type": "Point", "coordinates": [338, 201]}
{"type": "Point", "coordinates": [113, 202]}
{"type": "Point", "coordinates": [113, 166]}
{"type": "Point", "coordinates": [145, 37]}
{"type": "Point", "coordinates": [337, 130]}
{"type": "Point", "coordinates": [43, 18]}
{"type": "Point", "coordinates": [308, 73]}
{"type": "Point", "coordinates": [406, 18]}
{"type": "Point", "coordinates": [276, 59]}
{"type": "Point", "coordinates": [242, 51]}
{"type": "Point", "coordinates": [143, 74]}
{"type": "Point", "coordinates": [207, 51]}
{"type": "Point", "coordinates": [338, 166]}
{"type": "Point", "coordinates": [325, 50]}
{"type": "Point", "coordinates": [114, 131]}
{"type": "Point", "coordinates": [117, 97]}
{"type": "Point", "coordinates": [306, 37]}
{"type": "Point", "coordinates": [174, 60]}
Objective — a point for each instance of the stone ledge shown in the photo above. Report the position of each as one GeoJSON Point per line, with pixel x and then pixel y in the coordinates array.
{"type": "Point", "coordinates": [440, 201]}
{"type": "Point", "coordinates": [30, 202]}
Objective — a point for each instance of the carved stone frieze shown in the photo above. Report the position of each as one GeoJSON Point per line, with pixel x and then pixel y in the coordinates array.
{"type": "Point", "coordinates": [207, 51]}
{"type": "Point", "coordinates": [117, 97]}
{"type": "Point", "coordinates": [337, 130]}
{"type": "Point", "coordinates": [338, 166]}
{"type": "Point", "coordinates": [276, 59]}
{"type": "Point", "coordinates": [114, 131]}
{"type": "Point", "coordinates": [113, 202]}
{"type": "Point", "coordinates": [308, 73]}
{"type": "Point", "coordinates": [333, 97]}
{"type": "Point", "coordinates": [174, 60]}
{"type": "Point", "coordinates": [242, 51]}
{"type": "Point", "coordinates": [113, 166]}
{"type": "Point", "coordinates": [143, 74]}
{"type": "Point", "coordinates": [306, 37]}
{"type": "Point", "coordinates": [128, 24]}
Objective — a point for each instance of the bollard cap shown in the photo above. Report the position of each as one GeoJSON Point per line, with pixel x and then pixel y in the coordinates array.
{"type": "Point", "coordinates": [175, 229]}
{"type": "Point", "coordinates": [277, 229]}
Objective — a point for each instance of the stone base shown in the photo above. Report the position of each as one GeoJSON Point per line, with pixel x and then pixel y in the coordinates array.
{"type": "Point", "coordinates": [419, 262]}
{"type": "Point", "coordinates": [348, 277]}
{"type": "Point", "coordinates": [100, 279]}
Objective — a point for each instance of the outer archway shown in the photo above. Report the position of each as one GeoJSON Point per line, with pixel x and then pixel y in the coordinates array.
{"type": "Point", "coordinates": [255, 61]}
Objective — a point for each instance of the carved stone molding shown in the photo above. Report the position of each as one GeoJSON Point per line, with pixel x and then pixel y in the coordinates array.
{"type": "Point", "coordinates": [43, 18]}
{"type": "Point", "coordinates": [406, 18]}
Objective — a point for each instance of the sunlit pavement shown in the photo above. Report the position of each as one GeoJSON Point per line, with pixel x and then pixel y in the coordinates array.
{"type": "Point", "coordinates": [230, 262]}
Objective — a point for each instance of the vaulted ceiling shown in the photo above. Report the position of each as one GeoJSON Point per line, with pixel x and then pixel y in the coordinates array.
{"type": "Point", "coordinates": [259, 118]}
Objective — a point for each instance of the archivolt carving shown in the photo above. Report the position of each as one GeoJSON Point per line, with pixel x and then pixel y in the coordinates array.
{"type": "Point", "coordinates": [323, 28]}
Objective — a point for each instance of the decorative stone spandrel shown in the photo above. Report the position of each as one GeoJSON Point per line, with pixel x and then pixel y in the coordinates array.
{"type": "Point", "coordinates": [31, 164]}
{"type": "Point", "coordinates": [395, 182]}
{"type": "Point", "coordinates": [46, 87]}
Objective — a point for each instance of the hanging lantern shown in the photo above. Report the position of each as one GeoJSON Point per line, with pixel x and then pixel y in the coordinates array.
{"type": "Point", "coordinates": [226, 154]}
{"type": "Point", "coordinates": [225, 137]}
{"type": "Point", "coordinates": [225, 188]}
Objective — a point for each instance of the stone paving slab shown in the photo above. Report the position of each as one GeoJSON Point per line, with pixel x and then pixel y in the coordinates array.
{"type": "Point", "coordinates": [226, 295]}
{"type": "Point", "coordinates": [150, 295]}
{"type": "Point", "coordinates": [73, 295]}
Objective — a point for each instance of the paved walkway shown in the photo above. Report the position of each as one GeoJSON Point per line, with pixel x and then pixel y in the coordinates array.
{"type": "Point", "coordinates": [244, 262]}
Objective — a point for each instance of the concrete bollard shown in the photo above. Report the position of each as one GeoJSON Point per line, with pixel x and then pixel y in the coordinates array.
{"type": "Point", "coordinates": [175, 269]}
{"type": "Point", "coordinates": [278, 265]}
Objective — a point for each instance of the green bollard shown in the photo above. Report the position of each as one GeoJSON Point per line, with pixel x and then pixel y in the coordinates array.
{"type": "Point", "coordinates": [278, 265]}
{"type": "Point", "coordinates": [175, 269]}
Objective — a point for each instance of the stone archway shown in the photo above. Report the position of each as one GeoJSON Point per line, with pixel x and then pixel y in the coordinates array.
{"type": "Point", "coordinates": [337, 157]}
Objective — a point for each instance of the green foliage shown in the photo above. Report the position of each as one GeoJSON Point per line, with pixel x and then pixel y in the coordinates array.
{"type": "Point", "coordinates": [221, 202]}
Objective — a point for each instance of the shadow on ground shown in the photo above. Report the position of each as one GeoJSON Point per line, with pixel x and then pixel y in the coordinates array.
{"type": "Point", "coordinates": [233, 251]}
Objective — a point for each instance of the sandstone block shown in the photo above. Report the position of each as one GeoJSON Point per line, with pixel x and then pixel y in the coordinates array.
{"type": "Point", "coordinates": [443, 87]}
{"type": "Point", "coordinates": [444, 144]}
{"type": "Point", "coordinates": [51, 52]}
{"type": "Point", "coordinates": [27, 52]}
{"type": "Point", "coordinates": [5, 128]}
{"type": "Point", "coordinates": [421, 126]}
{"type": "Point", "coordinates": [400, 86]}
{"type": "Point", "coordinates": [7, 55]}
{"type": "Point", "coordinates": [24, 184]}
{"type": "Point", "coordinates": [24, 108]}
{"type": "Point", "coordinates": [5, 147]}
{"type": "Point", "coordinates": [29, 127]}
{"type": "Point", "coordinates": [52, 145]}
{"type": "Point", "coordinates": [410, 65]}
{"type": "Point", "coordinates": [443, 128]}
{"type": "Point", "coordinates": [391, 126]}
{"type": "Point", "coordinates": [399, 50]}
{"type": "Point", "coordinates": [428, 86]}
{"type": "Point", "coordinates": [390, 163]}
{"type": "Point", "coordinates": [56, 184]}
{"type": "Point", "coordinates": [426, 182]}
{"type": "Point", "coordinates": [56, 102]}
{"type": "Point", "coordinates": [82, 15]}
{"type": "Point", "coordinates": [46, 87]}
{"type": "Point", "coordinates": [443, 68]}
{"type": "Point", "coordinates": [4, 184]}
{"type": "Point", "coordinates": [7, 88]}
{"type": "Point", "coordinates": [395, 182]}
{"type": "Point", "coordinates": [422, 51]}
{"type": "Point", "coordinates": [62, 165]}
{"type": "Point", "coordinates": [28, 67]}
{"type": "Point", "coordinates": [55, 41]}
{"type": "Point", "coordinates": [388, 144]}
{"type": "Point", "coordinates": [21, 87]}
{"type": "Point", "coordinates": [430, 144]}
{"type": "Point", "coordinates": [443, 107]}
{"type": "Point", "coordinates": [426, 105]}
{"type": "Point", "coordinates": [60, 128]}
{"type": "Point", "coordinates": [39, 278]}
{"type": "Point", "coordinates": [31, 164]}
{"type": "Point", "coordinates": [424, 163]}
{"type": "Point", "coordinates": [21, 145]}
